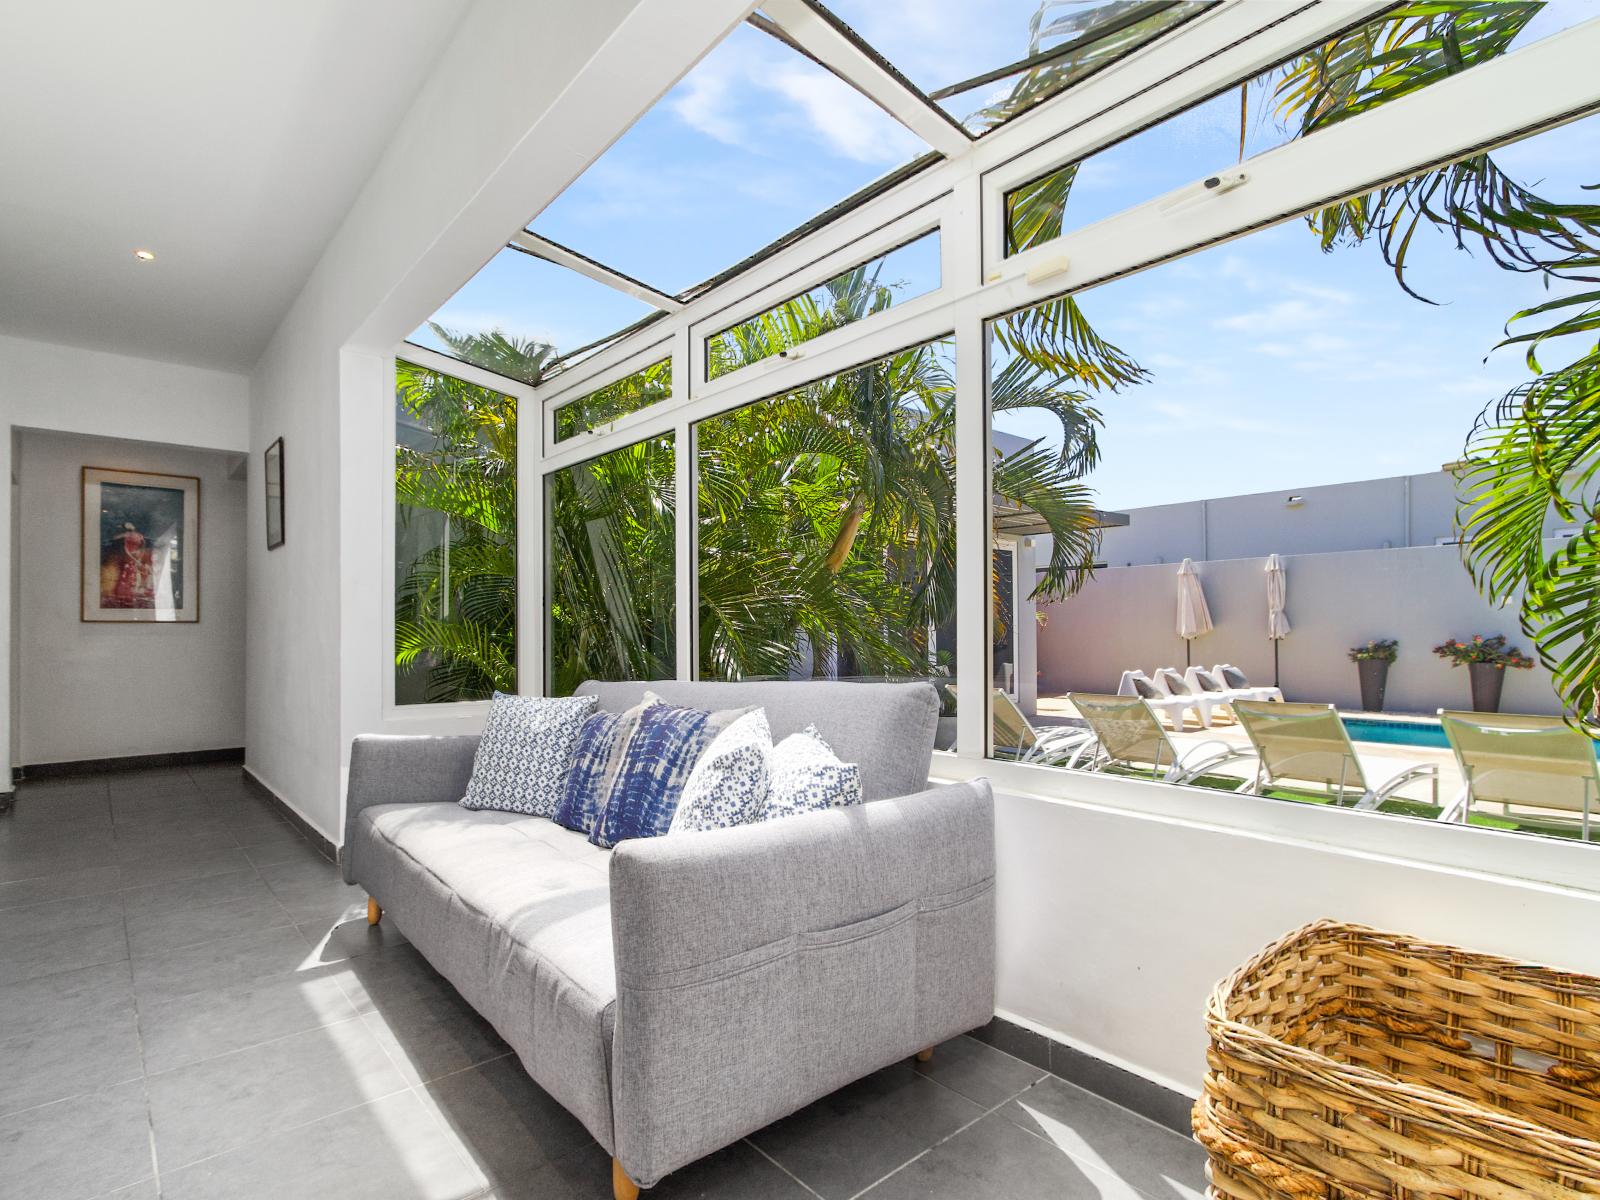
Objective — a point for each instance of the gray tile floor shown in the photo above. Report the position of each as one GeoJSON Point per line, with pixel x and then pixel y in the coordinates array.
{"type": "Point", "coordinates": [192, 1006]}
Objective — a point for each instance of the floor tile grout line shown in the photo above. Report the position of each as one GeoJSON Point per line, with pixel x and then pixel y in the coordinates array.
{"type": "Point", "coordinates": [930, 1149]}
{"type": "Point", "coordinates": [747, 1141]}
{"type": "Point", "coordinates": [282, 1037]}
{"type": "Point", "coordinates": [144, 1066]}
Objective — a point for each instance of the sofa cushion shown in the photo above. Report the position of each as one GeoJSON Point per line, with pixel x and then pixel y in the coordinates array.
{"type": "Point", "coordinates": [728, 786]}
{"type": "Point", "coordinates": [515, 912]}
{"type": "Point", "coordinates": [523, 755]}
{"type": "Point", "coordinates": [807, 776]}
{"type": "Point", "coordinates": [596, 759]}
{"type": "Point", "coordinates": [887, 728]}
{"type": "Point", "coordinates": [657, 756]}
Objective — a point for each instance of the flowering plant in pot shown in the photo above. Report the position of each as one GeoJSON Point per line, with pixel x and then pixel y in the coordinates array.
{"type": "Point", "coordinates": [1486, 660]}
{"type": "Point", "coordinates": [1372, 662]}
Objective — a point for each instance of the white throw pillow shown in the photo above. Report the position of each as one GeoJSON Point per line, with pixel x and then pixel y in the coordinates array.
{"type": "Point", "coordinates": [728, 785]}
{"type": "Point", "coordinates": [523, 756]}
{"type": "Point", "coordinates": [806, 776]}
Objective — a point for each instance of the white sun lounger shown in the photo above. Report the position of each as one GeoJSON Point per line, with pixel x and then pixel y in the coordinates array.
{"type": "Point", "coordinates": [1137, 683]}
{"type": "Point", "coordinates": [1234, 680]}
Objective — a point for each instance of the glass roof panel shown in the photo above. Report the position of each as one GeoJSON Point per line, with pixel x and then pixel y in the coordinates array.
{"type": "Point", "coordinates": [752, 143]}
{"type": "Point", "coordinates": [529, 301]}
{"type": "Point", "coordinates": [986, 63]}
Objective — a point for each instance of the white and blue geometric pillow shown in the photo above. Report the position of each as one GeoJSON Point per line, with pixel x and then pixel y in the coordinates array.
{"type": "Point", "coordinates": [728, 786]}
{"type": "Point", "coordinates": [523, 756]}
{"type": "Point", "coordinates": [807, 776]}
{"type": "Point", "coordinates": [659, 753]}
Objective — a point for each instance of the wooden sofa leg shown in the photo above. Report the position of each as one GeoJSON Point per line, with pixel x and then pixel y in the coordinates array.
{"type": "Point", "coordinates": [622, 1188]}
{"type": "Point", "coordinates": [925, 1055]}
{"type": "Point", "coordinates": [374, 911]}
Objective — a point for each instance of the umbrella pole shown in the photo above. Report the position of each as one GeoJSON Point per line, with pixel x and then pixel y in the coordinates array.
{"type": "Point", "coordinates": [1275, 682]}
{"type": "Point", "coordinates": [1188, 652]}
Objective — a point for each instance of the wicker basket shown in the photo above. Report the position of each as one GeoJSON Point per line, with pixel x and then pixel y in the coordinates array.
{"type": "Point", "coordinates": [1346, 1062]}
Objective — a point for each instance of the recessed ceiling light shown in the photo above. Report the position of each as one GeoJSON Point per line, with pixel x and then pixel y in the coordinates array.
{"type": "Point", "coordinates": [145, 255]}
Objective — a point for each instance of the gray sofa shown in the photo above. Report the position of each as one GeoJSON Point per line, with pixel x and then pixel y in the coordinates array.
{"type": "Point", "coordinates": [680, 992]}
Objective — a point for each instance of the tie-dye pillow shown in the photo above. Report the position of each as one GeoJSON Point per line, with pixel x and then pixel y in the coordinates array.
{"type": "Point", "coordinates": [596, 762]}
{"type": "Point", "coordinates": [656, 757]}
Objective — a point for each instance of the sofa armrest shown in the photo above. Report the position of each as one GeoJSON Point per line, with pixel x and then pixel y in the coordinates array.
{"type": "Point", "coordinates": [763, 967]}
{"type": "Point", "coordinates": [390, 769]}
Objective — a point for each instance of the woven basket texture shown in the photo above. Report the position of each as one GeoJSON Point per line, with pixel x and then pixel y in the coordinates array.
{"type": "Point", "coordinates": [1348, 1062]}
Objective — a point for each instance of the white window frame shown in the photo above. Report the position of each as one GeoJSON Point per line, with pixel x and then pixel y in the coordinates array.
{"type": "Point", "coordinates": [1537, 87]}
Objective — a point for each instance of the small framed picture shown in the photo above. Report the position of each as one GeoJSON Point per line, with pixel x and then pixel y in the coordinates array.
{"type": "Point", "coordinates": [141, 546]}
{"type": "Point", "coordinates": [274, 478]}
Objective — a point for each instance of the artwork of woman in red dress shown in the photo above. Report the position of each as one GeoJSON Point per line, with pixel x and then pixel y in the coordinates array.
{"type": "Point", "coordinates": [127, 574]}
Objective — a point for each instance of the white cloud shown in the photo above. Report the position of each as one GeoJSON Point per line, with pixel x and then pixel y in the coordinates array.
{"type": "Point", "coordinates": [842, 119]}
{"type": "Point", "coordinates": [702, 101]}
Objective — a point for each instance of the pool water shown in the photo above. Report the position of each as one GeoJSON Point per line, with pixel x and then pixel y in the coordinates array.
{"type": "Point", "coordinates": [1397, 733]}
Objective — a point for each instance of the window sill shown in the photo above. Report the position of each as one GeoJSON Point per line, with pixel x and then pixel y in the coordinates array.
{"type": "Point", "coordinates": [1486, 852]}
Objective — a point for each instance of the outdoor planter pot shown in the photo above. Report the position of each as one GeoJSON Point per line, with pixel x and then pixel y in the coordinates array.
{"type": "Point", "coordinates": [1374, 674]}
{"type": "Point", "coordinates": [1487, 681]}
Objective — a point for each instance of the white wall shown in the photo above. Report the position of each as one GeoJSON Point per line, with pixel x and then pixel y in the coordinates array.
{"type": "Point", "coordinates": [1113, 926]}
{"type": "Point", "coordinates": [103, 690]}
{"type": "Point", "coordinates": [518, 104]}
{"type": "Point", "coordinates": [69, 390]}
{"type": "Point", "coordinates": [1125, 617]}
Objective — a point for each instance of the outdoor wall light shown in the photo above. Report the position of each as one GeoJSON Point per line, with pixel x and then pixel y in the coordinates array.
{"type": "Point", "coordinates": [145, 255]}
{"type": "Point", "coordinates": [1294, 501]}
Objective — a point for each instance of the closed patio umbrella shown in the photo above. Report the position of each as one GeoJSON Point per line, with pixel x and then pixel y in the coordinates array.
{"type": "Point", "coordinates": [1277, 619]}
{"type": "Point", "coordinates": [1194, 618]}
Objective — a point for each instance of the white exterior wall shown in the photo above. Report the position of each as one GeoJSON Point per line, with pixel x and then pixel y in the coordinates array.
{"type": "Point", "coordinates": [1125, 617]}
{"type": "Point", "coordinates": [104, 690]}
{"type": "Point", "coordinates": [68, 390]}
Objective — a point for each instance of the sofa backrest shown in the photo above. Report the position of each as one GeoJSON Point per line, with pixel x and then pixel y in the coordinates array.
{"type": "Point", "coordinates": [887, 728]}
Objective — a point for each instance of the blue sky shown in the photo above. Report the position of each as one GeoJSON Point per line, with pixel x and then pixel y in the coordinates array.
{"type": "Point", "coordinates": [1273, 365]}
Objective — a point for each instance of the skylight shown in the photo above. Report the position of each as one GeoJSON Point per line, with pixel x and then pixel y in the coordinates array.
{"type": "Point", "coordinates": [529, 300]}
{"type": "Point", "coordinates": [753, 142]}
{"type": "Point", "coordinates": [986, 63]}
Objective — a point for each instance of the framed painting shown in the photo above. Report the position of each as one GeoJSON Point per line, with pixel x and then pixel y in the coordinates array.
{"type": "Point", "coordinates": [141, 546]}
{"type": "Point", "coordinates": [274, 482]}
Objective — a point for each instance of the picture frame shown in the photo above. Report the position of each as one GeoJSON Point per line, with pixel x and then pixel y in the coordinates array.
{"type": "Point", "coordinates": [272, 458]}
{"type": "Point", "coordinates": [140, 553]}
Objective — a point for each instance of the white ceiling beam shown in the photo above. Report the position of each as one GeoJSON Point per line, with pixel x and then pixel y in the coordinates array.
{"type": "Point", "coordinates": [823, 41]}
{"type": "Point", "coordinates": [562, 257]}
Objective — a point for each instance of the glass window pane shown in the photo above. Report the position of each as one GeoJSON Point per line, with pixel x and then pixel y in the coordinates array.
{"type": "Point", "coordinates": [455, 539]}
{"type": "Point", "coordinates": [611, 567]}
{"type": "Point", "coordinates": [519, 313]}
{"type": "Point", "coordinates": [753, 142]}
{"type": "Point", "coordinates": [827, 528]}
{"type": "Point", "coordinates": [978, 42]}
{"type": "Point", "coordinates": [1367, 67]}
{"type": "Point", "coordinates": [1337, 391]}
{"type": "Point", "coordinates": [636, 391]}
{"type": "Point", "coordinates": [902, 274]}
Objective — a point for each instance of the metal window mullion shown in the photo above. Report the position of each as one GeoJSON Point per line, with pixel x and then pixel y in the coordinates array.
{"type": "Point", "coordinates": [960, 266]}
{"type": "Point", "coordinates": [685, 478]}
{"type": "Point", "coordinates": [532, 607]}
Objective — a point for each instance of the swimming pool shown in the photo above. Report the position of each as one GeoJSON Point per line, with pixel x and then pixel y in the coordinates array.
{"type": "Point", "coordinates": [1396, 733]}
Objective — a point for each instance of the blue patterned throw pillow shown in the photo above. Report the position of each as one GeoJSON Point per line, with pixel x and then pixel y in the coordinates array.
{"type": "Point", "coordinates": [806, 776]}
{"type": "Point", "coordinates": [522, 759]}
{"type": "Point", "coordinates": [728, 786]}
{"type": "Point", "coordinates": [596, 760]}
{"type": "Point", "coordinates": [659, 753]}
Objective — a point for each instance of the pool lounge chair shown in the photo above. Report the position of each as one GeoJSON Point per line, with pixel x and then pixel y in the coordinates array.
{"type": "Point", "coordinates": [1137, 683]}
{"type": "Point", "coordinates": [1230, 677]}
{"type": "Point", "coordinates": [1176, 685]}
{"type": "Point", "coordinates": [1017, 738]}
{"type": "Point", "coordinates": [1127, 734]}
{"type": "Point", "coordinates": [1210, 683]}
{"type": "Point", "coordinates": [1527, 761]}
{"type": "Point", "coordinates": [1308, 743]}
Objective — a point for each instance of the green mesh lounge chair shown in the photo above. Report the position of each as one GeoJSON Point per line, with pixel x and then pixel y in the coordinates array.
{"type": "Point", "coordinates": [1530, 762]}
{"type": "Point", "coordinates": [1308, 743]}
{"type": "Point", "coordinates": [1127, 733]}
{"type": "Point", "coordinates": [1018, 738]}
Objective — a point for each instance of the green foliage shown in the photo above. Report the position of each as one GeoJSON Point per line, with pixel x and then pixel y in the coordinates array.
{"type": "Point", "coordinates": [1377, 650]}
{"type": "Point", "coordinates": [456, 500]}
{"type": "Point", "coordinates": [627, 395]}
{"type": "Point", "coordinates": [1492, 651]}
